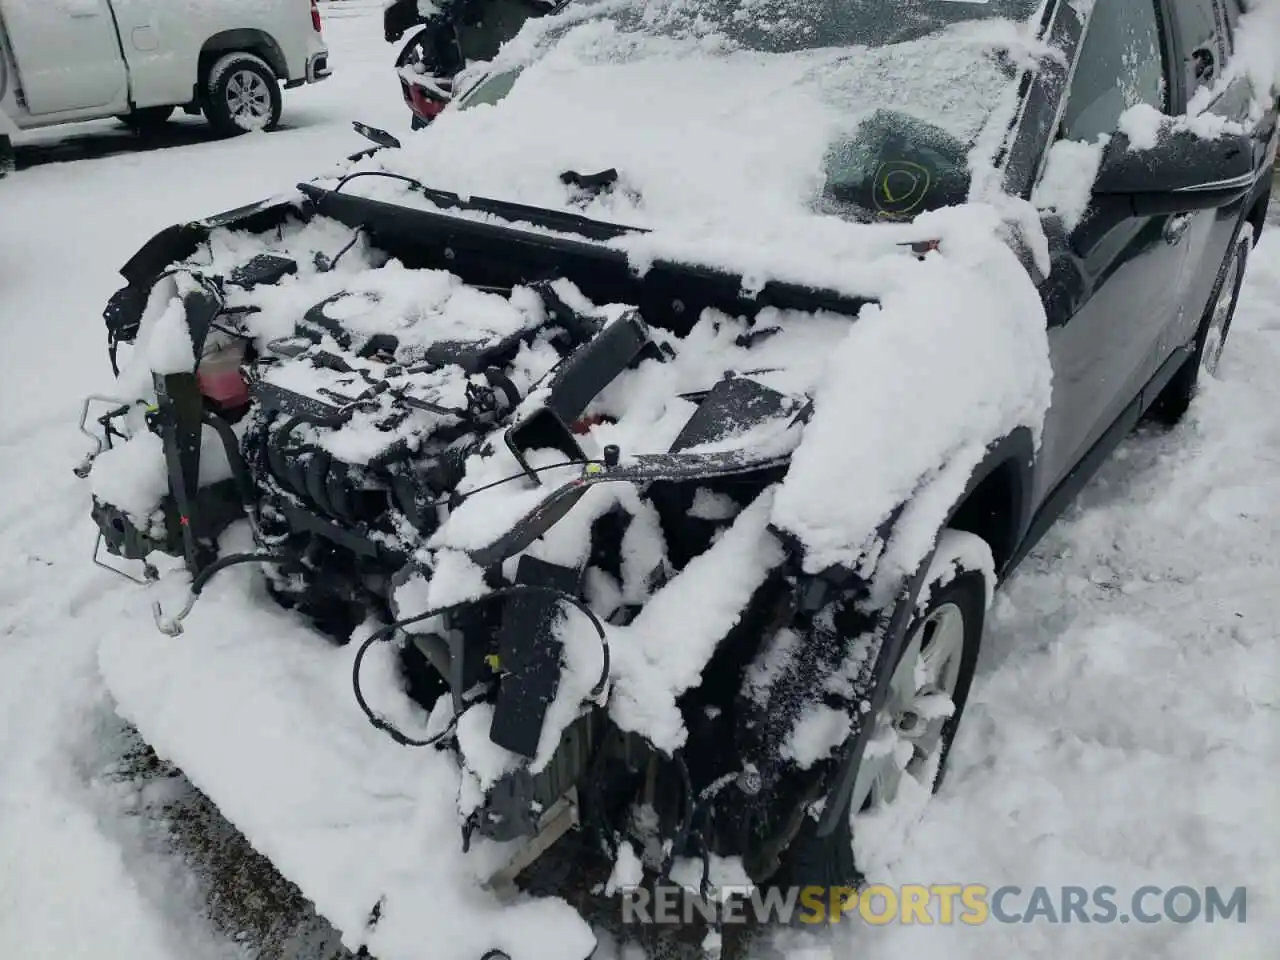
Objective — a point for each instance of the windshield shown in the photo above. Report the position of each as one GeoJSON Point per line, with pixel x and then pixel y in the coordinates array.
{"type": "Point", "coordinates": [780, 26]}
{"type": "Point", "coordinates": [878, 104]}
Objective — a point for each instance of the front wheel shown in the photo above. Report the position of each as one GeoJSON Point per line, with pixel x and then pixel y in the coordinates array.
{"type": "Point", "coordinates": [1175, 399]}
{"type": "Point", "coordinates": [241, 94]}
{"type": "Point", "coordinates": [914, 729]}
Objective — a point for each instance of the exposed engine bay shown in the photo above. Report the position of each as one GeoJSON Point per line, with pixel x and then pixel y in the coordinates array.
{"type": "Point", "coordinates": [553, 504]}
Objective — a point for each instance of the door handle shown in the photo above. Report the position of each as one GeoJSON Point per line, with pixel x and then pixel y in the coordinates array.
{"type": "Point", "coordinates": [1176, 228]}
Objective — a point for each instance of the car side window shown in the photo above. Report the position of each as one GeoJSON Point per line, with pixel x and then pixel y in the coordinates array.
{"type": "Point", "coordinates": [1202, 32]}
{"type": "Point", "coordinates": [1121, 64]}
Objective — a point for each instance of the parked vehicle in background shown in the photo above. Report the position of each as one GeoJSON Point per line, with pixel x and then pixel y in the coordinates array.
{"type": "Point", "coordinates": [64, 61]}
{"type": "Point", "coordinates": [453, 35]}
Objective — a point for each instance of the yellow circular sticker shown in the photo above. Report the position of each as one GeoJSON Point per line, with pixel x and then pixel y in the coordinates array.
{"type": "Point", "coordinates": [901, 186]}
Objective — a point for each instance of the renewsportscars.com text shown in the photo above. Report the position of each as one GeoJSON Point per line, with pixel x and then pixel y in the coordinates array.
{"type": "Point", "coordinates": [941, 904]}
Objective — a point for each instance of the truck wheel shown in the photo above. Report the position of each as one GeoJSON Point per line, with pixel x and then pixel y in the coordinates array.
{"type": "Point", "coordinates": [938, 659]}
{"type": "Point", "coordinates": [241, 94]}
{"type": "Point", "coordinates": [147, 119]}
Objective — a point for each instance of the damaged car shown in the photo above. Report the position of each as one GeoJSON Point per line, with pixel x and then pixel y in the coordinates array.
{"type": "Point", "coordinates": [672, 406]}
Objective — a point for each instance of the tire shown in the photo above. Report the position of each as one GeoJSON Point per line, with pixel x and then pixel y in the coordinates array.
{"type": "Point", "coordinates": [954, 588]}
{"type": "Point", "coordinates": [147, 119]}
{"type": "Point", "coordinates": [1175, 399]}
{"type": "Point", "coordinates": [241, 94]}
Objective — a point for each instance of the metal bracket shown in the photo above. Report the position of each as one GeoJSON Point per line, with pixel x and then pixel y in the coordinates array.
{"type": "Point", "coordinates": [149, 573]}
{"type": "Point", "coordinates": [99, 443]}
{"type": "Point", "coordinates": [559, 819]}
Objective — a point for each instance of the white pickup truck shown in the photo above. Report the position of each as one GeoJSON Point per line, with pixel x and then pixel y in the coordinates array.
{"type": "Point", "coordinates": [70, 60]}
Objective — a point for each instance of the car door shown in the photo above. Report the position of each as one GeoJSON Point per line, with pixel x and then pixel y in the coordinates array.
{"type": "Point", "coordinates": [1204, 45]}
{"type": "Point", "coordinates": [1112, 289]}
{"type": "Point", "coordinates": [67, 54]}
{"type": "Point", "coordinates": [162, 42]}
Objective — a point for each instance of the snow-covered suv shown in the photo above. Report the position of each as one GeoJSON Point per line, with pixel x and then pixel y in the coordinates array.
{"type": "Point", "coordinates": [70, 60]}
{"type": "Point", "coordinates": [682, 475]}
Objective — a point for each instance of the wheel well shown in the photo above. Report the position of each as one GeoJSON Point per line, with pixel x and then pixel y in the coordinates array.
{"type": "Point", "coordinates": [992, 510]}
{"type": "Point", "coordinates": [250, 41]}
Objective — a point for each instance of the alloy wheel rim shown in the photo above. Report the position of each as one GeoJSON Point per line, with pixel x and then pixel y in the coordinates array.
{"type": "Point", "coordinates": [908, 738]}
{"type": "Point", "coordinates": [248, 99]}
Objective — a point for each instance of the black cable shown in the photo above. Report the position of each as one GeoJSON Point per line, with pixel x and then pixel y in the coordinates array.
{"type": "Point", "coordinates": [235, 460]}
{"type": "Point", "coordinates": [440, 410]}
{"type": "Point", "coordinates": [202, 578]}
{"type": "Point", "coordinates": [384, 725]}
{"type": "Point", "coordinates": [704, 851]}
{"type": "Point", "coordinates": [386, 632]}
{"type": "Point", "coordinates": [376, 173]}
{"type": "Point", "coordinates": [341, 253]}
{"type": "Point", "coordinates": [459, 498]}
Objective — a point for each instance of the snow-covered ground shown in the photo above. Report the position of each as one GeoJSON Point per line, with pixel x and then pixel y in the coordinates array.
{"type": "Point", "coordinates": [1125, 728]}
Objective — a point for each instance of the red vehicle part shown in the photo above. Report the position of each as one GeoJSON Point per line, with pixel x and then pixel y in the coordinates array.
{"type": "Point", "coordinates": [417, 58]}
{"type": "Point", "coordinates": [424, 106]}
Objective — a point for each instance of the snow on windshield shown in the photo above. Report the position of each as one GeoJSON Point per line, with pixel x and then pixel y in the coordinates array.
{"type": "Point", "coordinates": [940, 61]}
{"type": "Point", "coordinates": [782, 25]}
{"type": "Point", "coordinates": [717, 145]}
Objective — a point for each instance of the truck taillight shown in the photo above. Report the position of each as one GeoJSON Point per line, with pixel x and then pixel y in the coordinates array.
{"type": "Point", "coordinates": [315, 17]}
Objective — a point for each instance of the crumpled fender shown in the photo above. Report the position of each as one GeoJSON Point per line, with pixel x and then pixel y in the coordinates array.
{"type": "Point", "coordinates": [181, 240]}
{"type": "Point", "coordinates": [123, 313]}
{"type": "Point", "coordinates": [1015, 451]}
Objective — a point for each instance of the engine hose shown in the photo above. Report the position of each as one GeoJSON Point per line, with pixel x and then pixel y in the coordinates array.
{"type": "Point", "coordinates": [172, 626]}
{"type": "Point", "coordinates": [231, 560]}
{"type": "Point", "coordinates": [235, 459]}
{"type": "Point", "coordinates": [694, 804]}
{"type": "Point", "coordinates": [286, 471]}
{"type": "Point", "coordinates": [686, 822]}
{"type": "Point", "coordinates": [386, 632]}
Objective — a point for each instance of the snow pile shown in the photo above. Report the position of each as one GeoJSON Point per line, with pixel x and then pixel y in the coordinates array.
{"type": "Point", "coordinates": [953, 358]}
{"type": "Point", "coordinates": [134, 477]}
{"type": "Point", "coordinates": [270, 731]}
{"type": "Point", "coordinates": [1257, 46]}
{"type": "Point", "coordinates": [1066, 186]}
{"type": "Point", "coordinates": [662, 654]}
{"type": "Point", "coordinates": [1144, 126]}
{"type": "Point", "coordinates": [418, 307]}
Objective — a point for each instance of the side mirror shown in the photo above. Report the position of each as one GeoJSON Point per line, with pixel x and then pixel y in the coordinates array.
{"type": "Point", "coordinates": [1182, 173]}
